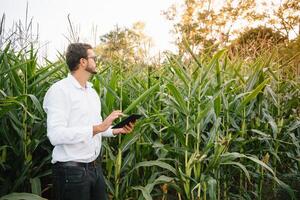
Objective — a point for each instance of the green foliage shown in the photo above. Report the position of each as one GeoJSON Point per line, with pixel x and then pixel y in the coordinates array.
{"type": "Point", "coordinates": [212, 121]}
{"type": "Point", "coordinates": [25, 150]}
{"type": "Point", "coordinates": [212, 128]}
{"type": "Point", "coordinates": [129, 45]}
{"type": "Point", "coordinates": [214, 24]}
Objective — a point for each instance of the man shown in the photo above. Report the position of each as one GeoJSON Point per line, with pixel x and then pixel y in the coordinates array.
{"type": "Point", "coordinates": [75, 129]}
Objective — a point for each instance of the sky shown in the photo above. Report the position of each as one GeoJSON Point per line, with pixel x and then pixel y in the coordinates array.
{"type": "Point", "coordinates": [50, 16]}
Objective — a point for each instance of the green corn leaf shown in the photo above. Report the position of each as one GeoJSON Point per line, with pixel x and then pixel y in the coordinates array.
{"type": "Point", "coordinates": [156, 163]}
{"type": "Point", "coordinates": [212, 188]}
{"type": "Point", "coordinates": [141, 98]}
{"type": "Point", "coordinates": [252, 95]}
{"type": "Point", "coordinates": [145, 192]}
{"type": "Point", "coordinates": [36, 103]}
{"type": "Point", "coordinates": [178, 97]}
{"type": "Point", "coordinates": [36, 186]}
{"type": "Point", "coordinates": [128, 141]}
{"type": "Point", "coordinates": [45, 75]}
{"type": "Point", "coordinates": [241, 166]}
{"type": "Point", "coordinates": [180, 72]}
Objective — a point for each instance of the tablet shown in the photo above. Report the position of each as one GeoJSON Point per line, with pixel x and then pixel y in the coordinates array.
{"type": "Point", "coordinates": [131, 118]}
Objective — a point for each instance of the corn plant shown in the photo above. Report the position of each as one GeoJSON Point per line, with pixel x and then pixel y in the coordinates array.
{"type": "Point", "coordinates": [25, 150]}
{"type": "Point", "coordinates": [213, 127]}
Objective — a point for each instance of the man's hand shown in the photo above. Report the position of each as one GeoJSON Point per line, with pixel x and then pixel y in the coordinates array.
{"type": "Point", "coordinates": [112, 117]}
{"type": "Point", "coordinates": [107, 122]}
{"type": "Point", "coordinates": [126, 129]}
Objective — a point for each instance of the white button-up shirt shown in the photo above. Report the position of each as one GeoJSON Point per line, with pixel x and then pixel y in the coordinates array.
{"type": "Point", "coordinates": [72, 111]}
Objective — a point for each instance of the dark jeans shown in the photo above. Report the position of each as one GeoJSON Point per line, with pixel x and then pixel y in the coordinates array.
{"type": "Point", "coordinates": [78, 182]}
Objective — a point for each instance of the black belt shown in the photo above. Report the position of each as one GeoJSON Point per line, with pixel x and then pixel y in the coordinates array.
{"type": "Point", "coordinates": [76, 164]}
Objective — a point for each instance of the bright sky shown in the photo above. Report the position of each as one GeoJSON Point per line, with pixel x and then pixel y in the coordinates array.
{"type": "Point", "coordinates": [51, 17]}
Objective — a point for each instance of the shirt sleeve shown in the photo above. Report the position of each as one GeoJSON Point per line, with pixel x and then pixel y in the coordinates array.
{"type": "Point", "coordinates": [108, 133]}
{"type": "Point", "coordinates": [57, 106]}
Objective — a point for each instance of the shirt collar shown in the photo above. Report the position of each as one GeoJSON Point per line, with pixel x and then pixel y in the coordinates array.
{"type": "Point", "coordinates": [77, 84]}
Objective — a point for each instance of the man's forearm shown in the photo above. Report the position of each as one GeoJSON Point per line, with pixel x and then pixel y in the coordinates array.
{"type": "Point", "coordinates": [99, 128]}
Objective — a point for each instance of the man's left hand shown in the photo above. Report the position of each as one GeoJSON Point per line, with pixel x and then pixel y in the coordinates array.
{"type": "Point", "coordinates": [126, 129]}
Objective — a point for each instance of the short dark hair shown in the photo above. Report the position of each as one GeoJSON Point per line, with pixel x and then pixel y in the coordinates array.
{"type": "Point", "coordinates": [75, 52]}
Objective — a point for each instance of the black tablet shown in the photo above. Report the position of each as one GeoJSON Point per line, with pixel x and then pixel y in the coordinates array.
{"type": "Point", "coordinates": [131, 118]}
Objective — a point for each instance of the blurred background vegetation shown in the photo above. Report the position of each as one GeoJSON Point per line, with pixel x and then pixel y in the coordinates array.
{"type": "Point", "coordinates": [222, 115]}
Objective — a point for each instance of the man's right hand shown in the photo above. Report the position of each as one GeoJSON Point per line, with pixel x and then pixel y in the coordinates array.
{"type": "Point", "coordinates": [107, 122]}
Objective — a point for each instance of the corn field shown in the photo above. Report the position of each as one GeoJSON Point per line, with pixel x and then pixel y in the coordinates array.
{"type": "Point", "coordinates": [213, 128]}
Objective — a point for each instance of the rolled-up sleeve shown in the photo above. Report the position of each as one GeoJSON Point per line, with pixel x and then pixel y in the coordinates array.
{"type": "Point", "coordinates": [57, 106]}
{"type": "Point", "coordinates": [108, 133]}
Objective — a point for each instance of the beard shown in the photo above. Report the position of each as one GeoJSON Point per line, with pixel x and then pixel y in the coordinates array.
{"type": "Point", "coordinates": [91, 70]}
